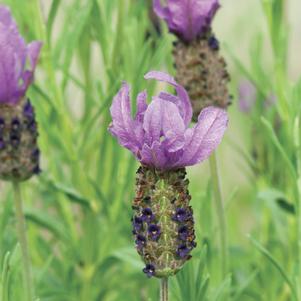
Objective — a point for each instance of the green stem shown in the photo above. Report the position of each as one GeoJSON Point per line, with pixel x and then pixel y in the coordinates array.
{"type": "Point", "coordinates": [21, 231]}
{"type": "Point", "coordinates": [297, 142]}
{"type": "Point", "coordinates": [219, 204]}
{"type": "Point", "coordinates": [164, 289]}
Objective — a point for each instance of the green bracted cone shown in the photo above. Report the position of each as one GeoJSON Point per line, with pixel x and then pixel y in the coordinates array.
{"type": "Point", "coordinates": [163, 221]}
{"type": "Point", "coordinates": [202, 71]}
{"type": "Point", "coordinates": [19, 152]}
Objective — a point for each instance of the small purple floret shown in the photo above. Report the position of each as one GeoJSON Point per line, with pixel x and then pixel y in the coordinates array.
{"type": "Point", "coordinates": [149, 270]}
{"type": "Point", "coordinates": [181, 215]}
{"type": "Point", "coordinates": [2, 144]}
{"type": "Point", "coordinates": [18, 60]}
{"type": "Point", "coordinates": [36, 153]}
{"type": "Point", "coordinates": [2, 123]}
{"type": "Point", "coordinates": [32, 126]}
{"type": "Point", "coordinates": [187, 19]}
{"type": "Point", "coordinates": [159, 136]}
{"type": "Point", "coordinates": [37, 170]}
{"type": "Point", "coordinates": [28, 111]}
{"type": "Point", "coordinates": [154, 231]}
{"type": "Point", "coordinates": [147, 215]}
{"type": "Point", "coordinates": [15, 140]}
{"type": "Point", "coordinates": [137, 224]}
{"type": "Point", "coordinates": [16, 124]}
{"type": "Point", "coordinates": [183, 232]}
{"type": "Point", "coordinates": [213, 43]}
{"type": "Point", "coordinates": [183, 251]}
{"type": "Point", "coordinates": [140, 241]}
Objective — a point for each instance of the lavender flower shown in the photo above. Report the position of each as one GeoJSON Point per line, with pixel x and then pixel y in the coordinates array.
{"type": "Point", "coordinates": [19, 154]}
{"type": "Point", "coordinates": [18, 60]}
{"type": "Point", "coordinates": [160, 136]}
{"type": "Point", "coordinates": [188, 19]}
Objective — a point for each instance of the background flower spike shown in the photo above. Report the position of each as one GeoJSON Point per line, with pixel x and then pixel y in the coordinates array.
{"type": "Point", "coordinates": [200, 67]}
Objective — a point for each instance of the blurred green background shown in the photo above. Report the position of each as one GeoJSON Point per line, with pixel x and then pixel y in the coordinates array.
{"type": "Point", "coordinates": [78, 211]}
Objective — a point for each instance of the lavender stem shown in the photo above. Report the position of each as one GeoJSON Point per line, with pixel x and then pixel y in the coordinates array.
{"type": "Point", "coordinates": [220, 211]}
{"type": "Point", "coordinates": [21, 231]}
{"type": "Point", "coordinates": [164, 289]}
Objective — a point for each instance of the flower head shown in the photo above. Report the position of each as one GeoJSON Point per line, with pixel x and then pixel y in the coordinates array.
{"type": "Point", "coordinates": [187, 18]}
{"type": "Point", "coordinates": [18, 60]}
{"type": "Point", "coordinates": [159, 135]}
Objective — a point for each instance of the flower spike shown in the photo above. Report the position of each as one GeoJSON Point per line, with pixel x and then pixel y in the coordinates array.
{"type": "Point", "coordinates": [160, 138]}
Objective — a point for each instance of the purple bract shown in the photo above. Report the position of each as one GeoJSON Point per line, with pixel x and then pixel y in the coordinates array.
{"type": "Point", "coordinates": [187, 18]}
{"type": "Point", "coordinates": [159, 135]}
{"type": "Point", "coordinates": [17, 60]}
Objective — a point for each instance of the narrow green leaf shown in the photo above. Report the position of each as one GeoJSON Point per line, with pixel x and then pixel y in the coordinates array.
{"type": "Point", "coordinates": [275, 263]}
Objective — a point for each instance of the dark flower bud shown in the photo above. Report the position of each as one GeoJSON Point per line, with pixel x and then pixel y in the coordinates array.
{"type": "Point", "coordinates": [137, 224]}
{"type": "Point", "coordinates": [154, 232]}
{"type": "Point", "coordinates": [183, 233]}
{"type": "Point", "coordinates": [28, 111]}
{"type": "Point", "coordinates": [147, 215]}
{"type": "Point", "coordinates": [180, 215]}
{"type": "Point", "coordinates": [140, 241]}
{"type": "Point", "coordinates": [183, 251]}
{"type": "Point", "coordinates": [213, 43]}
{"type": "Point", "coordinates": [149, 270]}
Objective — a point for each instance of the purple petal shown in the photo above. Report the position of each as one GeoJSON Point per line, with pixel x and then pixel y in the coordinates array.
{"type": "Point", "coordinates": [5, 16]}
{"type": "Point", "coordinates": [204, 137]}
{"type": "Point", "coordinates": [161, 11]}
{"type": "Point", "coordinates": [183, 104]}
{"type": "Point", "coordinates": [173, 127]}
{"type": "Point", "coordinates": [152, 123]}
{"type": "Point", "coordinates": [128, 131]}
{"type": "Point", "coordinates": [13, 76]}
{"type": "Point", "coordinates": [163, 123]}
{"type": "Point", "coordinates": [9, 32]}
{"type": "Point", "coordinates": [187, 18]}
{"type": "Point", "coordinates": [154, 155]}
{"type": "Point", "coordinates": [141, 106]}
{"type": "Point", "coordinates": [8, 79]}
{"type": "Point", "coordinates": [33, 52]}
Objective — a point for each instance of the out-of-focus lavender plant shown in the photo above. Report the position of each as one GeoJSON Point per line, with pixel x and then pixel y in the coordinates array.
{"type": "Point", "coordinates": [19, 153]}
{"type": "Point", "coordinates": [160, 138]}
{"type": "Point", "coordinates": [247, 96]}
{"type": "Point", "coordinates": [199, 65]}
